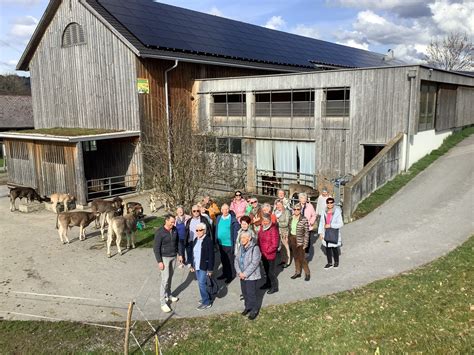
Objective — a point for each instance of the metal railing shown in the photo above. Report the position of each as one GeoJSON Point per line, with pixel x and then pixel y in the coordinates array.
{"type": "Point", "coordinates": [238, 109]}
{"type": "Point", "coordinates": [269, 181]}
{"type": "Point", "coordinates": [284, 109]}
{"type": "Point", "coordinates": [335, 108]}
{"type": "Point", "coordinates": [112, 186]}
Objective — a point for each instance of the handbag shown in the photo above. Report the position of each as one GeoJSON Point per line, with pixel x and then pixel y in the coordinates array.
{"type": "Point", "coordinates": [331, 235]}
{"type": "Point", "coordinates": [212, 287]}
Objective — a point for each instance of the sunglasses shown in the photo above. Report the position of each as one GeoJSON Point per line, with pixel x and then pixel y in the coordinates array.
{"type": "Point", "coordinates": [238, 195]}
{"type": "Point", "coordinates": [296, 209]}
{"type": "Point", "coordinates": [196, 211]}
{"type": "Point", "coordinates": [253, 202]}
{"type": "Point", "coordinates": [330, 203]}
{"type": "Point", "coordinates": [199, 230]}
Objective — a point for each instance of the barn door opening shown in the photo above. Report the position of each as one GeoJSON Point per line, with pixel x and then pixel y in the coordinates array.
{"type": "Point", "coordinates": [370, 151]}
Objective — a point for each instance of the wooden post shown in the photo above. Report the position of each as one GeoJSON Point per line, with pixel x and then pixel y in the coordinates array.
{"type": "Point", "coordinates": [80, 175]}
{"type": "Point", "coordinates": [127, 327]}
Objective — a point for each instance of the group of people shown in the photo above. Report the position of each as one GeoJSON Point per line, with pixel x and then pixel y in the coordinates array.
{"type": "Point", "coordinates": [247, 234]}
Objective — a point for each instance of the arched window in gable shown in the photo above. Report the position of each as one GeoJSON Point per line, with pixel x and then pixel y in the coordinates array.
{"type": "Point", "coordinates": [73, 35]}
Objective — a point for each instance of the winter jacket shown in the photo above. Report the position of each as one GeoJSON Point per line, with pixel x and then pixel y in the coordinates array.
{"type": "Point", "coordinates": [234, 228]}
{"type": "Point", "coordinates": [208, 229]}
{"type": "Point", "coordinates": [268, 241]}
{"type": "Point", "coordinates": [336, 223]}
{"type": "Point", "coordinates": [166, 244]}
{"type": "Point", "coordinates": [302, 231]}
{"type": "Point", "coordinates": [237, 241]}
{"type": "Point", "coordinates": [238, 208]}
{"type": "Point", "coordinates": [310, 214]}
{"type": "Point", "coordinates": [251, 261]}
{"type": "Point", "coordinates": [207, 253]}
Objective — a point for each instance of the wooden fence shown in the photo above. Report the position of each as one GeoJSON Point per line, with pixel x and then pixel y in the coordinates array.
{"type": "Point", "coordinates": [382, 168]}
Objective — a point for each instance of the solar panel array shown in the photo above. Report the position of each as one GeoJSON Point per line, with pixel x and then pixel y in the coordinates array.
{"type": "Point", "coordinates": [173, 28]}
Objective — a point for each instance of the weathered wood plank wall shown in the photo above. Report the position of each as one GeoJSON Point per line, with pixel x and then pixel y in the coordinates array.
{"type": "Point", "coordinates": [465, 106]}
{"type": "Point", "coordinates": [91, 85]}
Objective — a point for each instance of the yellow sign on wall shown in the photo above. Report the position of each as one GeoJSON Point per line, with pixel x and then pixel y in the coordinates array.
{"type": "Point", "coordinates": [143, 86]}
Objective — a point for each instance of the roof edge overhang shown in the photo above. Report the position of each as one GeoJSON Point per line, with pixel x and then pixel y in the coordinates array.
{"type": "Point", "coordinates": [68, 139]}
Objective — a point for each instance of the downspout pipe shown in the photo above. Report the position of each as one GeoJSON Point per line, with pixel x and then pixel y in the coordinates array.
{"type": "Point", "coordinates": [411, 76]}
{"type": "Point", "coordinates": [168, 119]}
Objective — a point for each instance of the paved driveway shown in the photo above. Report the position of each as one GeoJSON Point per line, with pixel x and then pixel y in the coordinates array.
{"type": "Point", "coordinates": [41, 277]}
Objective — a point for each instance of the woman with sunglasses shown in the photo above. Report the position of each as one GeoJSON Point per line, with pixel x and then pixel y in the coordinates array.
{"type": "Point", "coordinates": [331, 218]}
{"type": "Point", "coordinates": [238, 205]}
{"type": "Point", "coordinates": [299, 240]}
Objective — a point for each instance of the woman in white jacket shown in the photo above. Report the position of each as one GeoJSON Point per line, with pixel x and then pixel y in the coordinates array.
{"type": "Point", "coordinates": [331, 218]}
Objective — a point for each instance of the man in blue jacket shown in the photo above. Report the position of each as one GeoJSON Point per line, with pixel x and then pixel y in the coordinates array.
{"type": "Point", "coordinates": [227, 228]}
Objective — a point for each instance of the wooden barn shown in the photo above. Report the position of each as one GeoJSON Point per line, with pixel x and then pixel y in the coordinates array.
{"type": "Point", "coordinates": [123, 65]}
{"type": "Point", "coordinates": [310, 128]}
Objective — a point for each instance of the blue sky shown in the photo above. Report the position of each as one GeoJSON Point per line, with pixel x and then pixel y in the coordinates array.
{"type": "Point", "coordinates": [406, 26]}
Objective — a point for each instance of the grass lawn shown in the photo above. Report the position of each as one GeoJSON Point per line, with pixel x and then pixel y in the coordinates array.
{"type": "Point", "coordinates": [69, 132]}
{"type": "Point", "coordinates": [428, 310]}
{"type": "Point", "coordinates": [381, 195]}
{"type": "Point", "coordinates": [144, 238]}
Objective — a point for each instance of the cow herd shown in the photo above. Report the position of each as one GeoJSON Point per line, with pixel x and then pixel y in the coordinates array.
{"type": "Point", "coordinates": [122, 222]}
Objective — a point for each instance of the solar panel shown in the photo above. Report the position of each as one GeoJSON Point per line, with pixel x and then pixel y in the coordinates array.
{"type": "Point", "coordinates": [170, 27]}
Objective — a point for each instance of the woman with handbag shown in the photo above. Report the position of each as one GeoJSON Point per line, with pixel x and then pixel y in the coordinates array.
{"type": "Point", "coordinates": [329, 232]}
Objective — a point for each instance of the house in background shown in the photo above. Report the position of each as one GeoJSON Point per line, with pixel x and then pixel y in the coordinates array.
{"type": "Point", "coordinates": [16, 113]}
{"type": "Point", "coordinates": [86, 58]}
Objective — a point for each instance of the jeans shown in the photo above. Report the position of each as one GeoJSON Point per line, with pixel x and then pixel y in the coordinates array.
{"type": "Point", "coordinates": [227, 260]}
{"type": "Point", "coordinates": [330, 252]}
{"type": "Point", "coordinates": [249, 291]}
{"type": "Point", "coordinates": [270, 266]}
{"type": "Point", "coordinates": [202, 277]}
{"type": "Point", "coordinates": [166, 276]}
{"type": "Point", "coordinates": [189, 253]}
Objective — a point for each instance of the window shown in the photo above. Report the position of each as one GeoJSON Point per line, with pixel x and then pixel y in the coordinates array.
{"type": "Point", "coordinates": [89, 146]}
{"type": "Point", "coordinates": [427, 106]}
{"type": "Point", "coordinates": [336, 103]}
{"type": "Point", "coordinates": [223, 145]}
{"type": "Point", "coordinates": [294, 103]}
{"type": "Point", "coordinates": [73, 35]}
{"type": "Point", "coordinates": [229, 104]}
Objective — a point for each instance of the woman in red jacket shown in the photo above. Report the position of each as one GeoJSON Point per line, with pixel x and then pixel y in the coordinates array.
{"type": "Point", "coordinates": [268, 240]}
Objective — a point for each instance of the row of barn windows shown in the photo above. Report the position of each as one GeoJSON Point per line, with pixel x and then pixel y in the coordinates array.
{"type": "Point", "coordinates": [73, 35]}
{"type": "Point", "coordinates": [336, 103]}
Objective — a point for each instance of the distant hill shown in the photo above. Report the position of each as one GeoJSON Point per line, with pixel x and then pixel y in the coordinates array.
{"type": "Point", "coordinates": [14, 85]}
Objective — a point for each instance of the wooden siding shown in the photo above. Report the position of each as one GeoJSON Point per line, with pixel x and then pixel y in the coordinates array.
{"type": "Point", "coordinates": [50, 167]}
{"type": "Point", "coordinates": [180, 81]}
{"type": "Point", "coordinates": [446, 107]}
{"type": "Point", "coordinates": [92, 85]}
{"type": "Point", "coordinates": [465, 106]}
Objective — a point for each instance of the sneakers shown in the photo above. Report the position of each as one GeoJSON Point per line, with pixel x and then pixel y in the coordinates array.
{"type": "Point", "coordinates": [307, 277]}
{"type": "Point", "coordinates": [172, 299]}
{"type": "Point", "coordinates": [328, 266]}
{"type": "Point", "coordinates": [165, 308]}
{"type": "Point", "coordinates": [336, 264]}
{"type": "Point", "coordinates": [203, 307]}
{"type": "Point", "coordinates": [295, 276]}
{"type": "Point", "coordinates": [271, 291]}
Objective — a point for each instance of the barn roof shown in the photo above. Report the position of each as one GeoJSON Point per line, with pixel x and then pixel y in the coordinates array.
{"type": "Point", "coordinates": [165, 31]}
{"type": "Point", "coordinates": [16, 112]}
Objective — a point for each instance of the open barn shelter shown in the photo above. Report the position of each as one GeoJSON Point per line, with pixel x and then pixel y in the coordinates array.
{"type": "Point", "coordinates": [86, 166]}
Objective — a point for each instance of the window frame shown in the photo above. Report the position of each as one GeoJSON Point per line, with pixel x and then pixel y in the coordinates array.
{"type": "Point", "coordinates": [427, 108]}
{"type": "Point", "coordinates": [73, 35]}
{"type": "Point", "coordinates": [346, 107]}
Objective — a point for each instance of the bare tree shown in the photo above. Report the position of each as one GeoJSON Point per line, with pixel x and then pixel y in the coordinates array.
{"type": "Point", "coordinates": [193, 170]}
{"type": "Point", "coordinates": [454, 52]}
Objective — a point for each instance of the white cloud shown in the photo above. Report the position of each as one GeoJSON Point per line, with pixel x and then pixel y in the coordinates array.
{"type": "Point", "coordinates": [355, 44]}
{"type": "Point", "coordinates": [403, 8]}
{"type": "Point", "coordinates": [305, 30]}
{"type": "Point", "coordinates": [275, 23]}
{"type": "Point", "coordinates": [24, 27]}
{"type": "Point", "coordinates": [453, 17]}
{"type": "Point", "coordinates": [216, 12]}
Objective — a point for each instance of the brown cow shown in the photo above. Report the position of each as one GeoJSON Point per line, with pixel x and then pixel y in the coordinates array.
{"type": "Point", "coordinates": [102, 206]}
{"type": "Point", "coordinates": [61, 198]}
{"type": "Point", "coordinates": [123, 225]}
{"type": "Point", "coordinates": [67, 220]}
{"type": "Point", "coordinates": [22, 192]}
